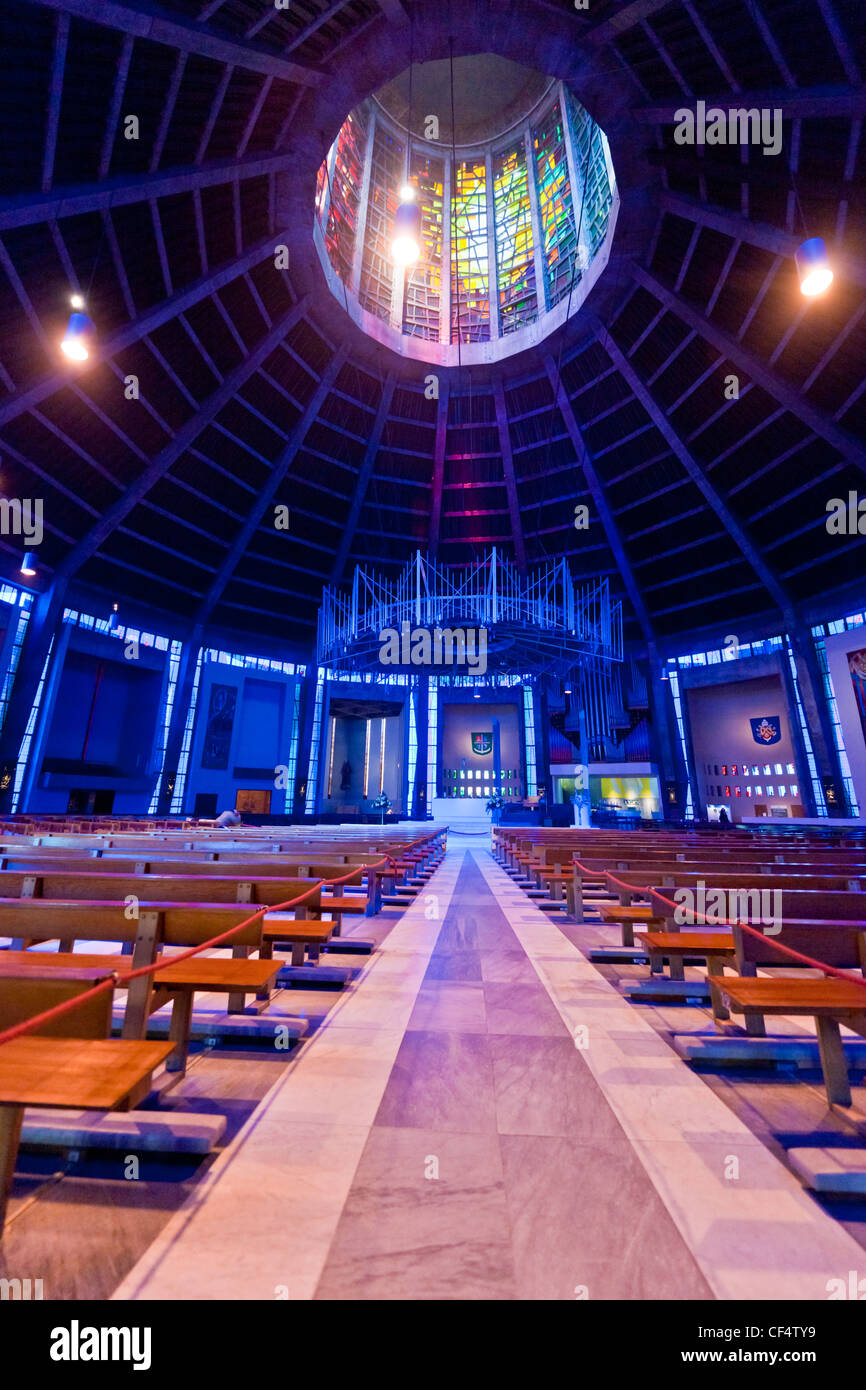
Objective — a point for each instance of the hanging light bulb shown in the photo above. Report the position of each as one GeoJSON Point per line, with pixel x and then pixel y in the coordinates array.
{"type": "Point", "coordinates": [113, 619]}
{"type": "Point", "coordinates": [813, 267]}
{"type": "Point", "coordinates": [80, 332]}
{"type": "Point", "coordinates": [406, 246]}
{"type": "Point", "coordinates": [28, 564]}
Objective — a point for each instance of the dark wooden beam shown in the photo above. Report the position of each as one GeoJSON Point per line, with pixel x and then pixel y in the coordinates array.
{"type": "Point", "coordinates": [150, 22]}
{"type": "Point", "coordinates": [733, 224]}
{"type": "Point", "coordinates": [599, 497]}
{"type": "Point", "coordinates": [115, 514]}
{"type": "Point", "coordinates": [695, 472]}
{"type": "Point", "coordinates": [148, 322]}
{"type": "Point", "coordinates": [755, 368]}
{"type": "Point", "coordinates": [508, 472]}
{"type": "Point", "coordinates": [365, 472]}
{"type": "Point", "coordinates": [439, 465]}
{"type": "Point", "coordinates": [269, 490]}
{"type": "Point", "coordinates": [825, 100]}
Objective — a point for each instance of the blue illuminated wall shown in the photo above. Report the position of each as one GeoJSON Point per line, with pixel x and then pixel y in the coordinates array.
{"type": "Point", "coordinates": [257, 741]}
{"type": "Point", "coordinates": [97, 725]}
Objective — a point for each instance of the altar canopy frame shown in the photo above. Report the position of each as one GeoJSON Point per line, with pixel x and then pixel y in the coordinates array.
{"type": "Point", "coordinates": [543, 621]}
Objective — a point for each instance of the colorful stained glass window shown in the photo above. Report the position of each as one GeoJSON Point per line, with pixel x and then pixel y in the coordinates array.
{"type": "Point", "coordinates": [515, 261]}
{"type": "Point", "coordinates": [470, 302]}
{"type": "Point", "coordinates": [345, 189]}
{"type": "Point", "coordinates": [321, 186]}
{"type": "Point", "coordinates": [550, 206]}
{"type": "Point", "coordinates": [386, 180]}
{"type": "Point", "coordinates": [555, 208]}
{"type": "Point", "coordinates": [422, 300]}
{"type": "Point", "coordinates": [591, 170]}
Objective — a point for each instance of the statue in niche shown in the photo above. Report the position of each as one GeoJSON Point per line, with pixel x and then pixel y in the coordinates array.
{"type": "Point", "coordinates": [345, 776]}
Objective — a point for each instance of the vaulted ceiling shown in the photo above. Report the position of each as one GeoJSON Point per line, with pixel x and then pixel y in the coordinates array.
{"type": "Point", "coordinates": [255, 390]}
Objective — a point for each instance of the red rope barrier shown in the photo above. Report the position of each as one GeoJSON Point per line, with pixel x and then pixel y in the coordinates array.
{"type": "Point", "coordinates": [28, 1025]}
{"type": "Point", "coordinates": [761, 936]}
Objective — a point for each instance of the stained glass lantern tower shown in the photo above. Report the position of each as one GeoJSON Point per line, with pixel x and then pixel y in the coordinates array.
{"type": "Point", "coordinates": [513, 232]}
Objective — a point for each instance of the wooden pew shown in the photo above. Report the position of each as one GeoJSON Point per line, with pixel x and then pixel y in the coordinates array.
{"type": "Point", "coordinates": [67, 1063]}
{"type": "Point", "coordinates": [257, 891]}
{"type": "Point", "coordinates": [164, 859]}
{"type": "Point", "coordinates": [824, 925]}
{"type": "Point", "coordinates": [829, 1002]}
{"type": "Point", "coordinates": [158, 925]}
{"type": "Point", "coordinates": [643, 884]}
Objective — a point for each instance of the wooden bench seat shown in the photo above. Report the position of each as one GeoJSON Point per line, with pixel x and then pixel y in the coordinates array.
{"type": "Point", "coordinates": [68, 1073]}
{"type": "Point", "coordinates": [829, 1001]}
{"type": "Point", "coordinates": [174, 984]}
{"type": "Point", "coordinates": [258, 870]}
{"type": "Point", "coordinates": [627, 916]}
{"type": "Point", "coordinates": [717, 947]}
{"type": "Point", "coordinates": [160, 924]}
{"type": "Point", "coordinates": [173, 888]}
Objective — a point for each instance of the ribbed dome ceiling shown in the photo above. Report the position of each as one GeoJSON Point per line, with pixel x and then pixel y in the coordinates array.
{"type": "Point", "coordinates": [255, 390]}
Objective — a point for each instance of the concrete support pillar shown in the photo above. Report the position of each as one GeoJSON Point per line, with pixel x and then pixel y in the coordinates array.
{"type": "Point", "coordinates": [665, 737]}
{"type": "Point", "coordinates": [45, 621]}
{"type": "Point", "coordinates": [308, 709]}
{"type": "Point", "coordinates": [418, 793]}
{"type": "Point", "coordinates": [177, 724]}
{"type": "Point", "coordinates": [820, 725]}
{"type": "Point", "coordinates": [542, 743]}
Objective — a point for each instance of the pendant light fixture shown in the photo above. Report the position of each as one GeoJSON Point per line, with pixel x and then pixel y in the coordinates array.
{"type": "Point", "coordinates": [80, 332]}
{"type": "Point", "coordinates": [813, 264]}
{"type": "Point", "coordinates": [813, 267]}
{"type": "Point", "coordinates": [406, 245]}
{"type": "Point", "coordinates": [80, 336]}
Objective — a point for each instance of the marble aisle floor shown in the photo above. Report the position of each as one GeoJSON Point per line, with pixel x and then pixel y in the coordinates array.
{"type": "Point", "coordinates": [495, 1168]}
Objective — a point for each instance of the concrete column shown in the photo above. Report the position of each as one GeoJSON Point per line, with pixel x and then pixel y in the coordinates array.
{"type": "Point", "coordinates": [445, 280]}
{"type": "Point", "coordinates": [671, 765]}
{"type": "Point", "coordinates": [46, 619]}
{"type": "Point", "coordinates": [177, 724]}
{"type": "Point", "coordinates": [29, 800]}
{"type": "Point", "coordinates": [308, 708]}
{"type": "Point", "coordinates": [537, 247]}
{"type": "Point", "coordinates": [542, 741]}
{"type": "Point", "coordinates": [419, 809]}
{"type": "Point", "coordinates": [818, 720]}
{"type": "Point", "coordinates": [492, 274]}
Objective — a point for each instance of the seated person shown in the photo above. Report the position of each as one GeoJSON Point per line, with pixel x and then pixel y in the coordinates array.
{"type": "Point", "coordinates": [225, 821]}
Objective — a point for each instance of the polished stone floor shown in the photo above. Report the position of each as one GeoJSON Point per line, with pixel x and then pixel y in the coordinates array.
{"type": "Point", "coordinates": [495, 1167]}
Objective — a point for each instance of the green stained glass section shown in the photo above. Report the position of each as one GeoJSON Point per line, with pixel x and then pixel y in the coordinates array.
{"type": "Point", "coordinates": [515, 260]}
{"type": "Point", "coordinates": [589, 147]}
{"type": "Point", "coordinates": [470, 287]}
{"type": "Point", "coordinates": [556, 213]}
{"type": "Point", "coordinates": [422, 300]}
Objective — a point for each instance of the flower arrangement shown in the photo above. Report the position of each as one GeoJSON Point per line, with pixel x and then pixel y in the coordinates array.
{"type": "Point", "coordinates": [381, 803]}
